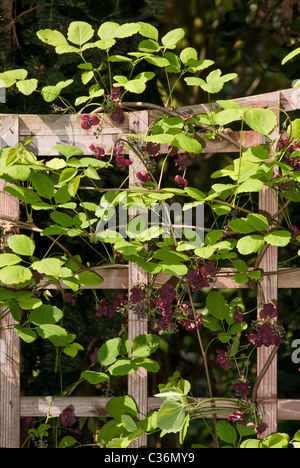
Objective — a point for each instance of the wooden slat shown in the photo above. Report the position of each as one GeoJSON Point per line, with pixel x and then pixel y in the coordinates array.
{"type": "Point", "coordinates": [10, 361]}
{"type": "Point", "coordinates": [96, 406]}
{"type": "Point", "coordinates": [137, 382]}
{"type": "Point", "coordinates": [289, 100]}
{"type": "Point", "coordinates": [268, 203]}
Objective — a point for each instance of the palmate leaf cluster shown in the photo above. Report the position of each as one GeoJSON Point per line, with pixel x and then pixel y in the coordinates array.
{"type": "Point", "coordinates": [57, 193]}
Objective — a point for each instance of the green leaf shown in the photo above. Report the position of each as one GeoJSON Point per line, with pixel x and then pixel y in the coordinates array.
{"type": "Point", "coordinates": [293, 129]}
{"type": "Point", "coordinates": [128, 423]}
{"type": "Point", "coordinates": [121, 405]}
{"type": "Point", "coordinates": [291, 55]}
{"type": "Point", "coordinates": [67, 441]}
{"type": "Point", "coordinates": [50, 93]}
{"type": "Point", "coordinates": [15, 310]}
{"type": "Point", "coordinates": [171, 416]}
{"type": "Point", "coordinates": [7, 259]}
{"type": "Point", "coordinates": [48, 266]}
{"type": "Point", "coordinates": [147, 30]}
{"type": "Point", "coordinates": [241, 225]}
{"type": "Point", "coordinates": [188, 54]}
{"type": "Point", "coordinates": [80, 32]}
{"type": "Point", "coordinates": [250, 185]}
{"type": "Point", "coordinates": [61, 218]}
{"type": "Point", "coordinates": [187, 143]}
{"type": "Point", "coordinates": [23, 194]}
{"type": "Point", "coordinates": [27, 86]}
{"type": "Point", "coordinates": [9, 77]}
{"type": "Point", "coordinates": [260, 120]}
{"type": "Point", "coordinates": [122, 367]}
{"type": "Point", "coordinates": [94, 378]}
{"type": "Point", "coordinates": [67, 174]}
{"type": "Point", "coordinates": [170, 40]}
{"type": "Point", "coordinates": [240, 265]}
{"type": "Point", "coordinates": [146, 363]}
{"type": "Point", "coordinates": [15, 274]}
{"type": "Point", "coordinates": [89, 278]}
{"type": "Point", "coordinates": [108, 30]}
{"type": "Point", "coordinates": [250, 244]}
{"type": "Point", "coordinates": [110, 430]}
{"type": "Point", "coordinates": [45, 314]}
{"type": "Point", "coordinates": [26, 334]}
{"type": "Point", "coordinates": [73, 185]}
{"type": "Point", "coordinates": [109, 351]}
{"type": "Point", "coordinates": [144, 345]}
{"type": "Point", "coordinates": [226, 432]}
{"type": "Point", "coordinates": [195, 193]}
{"type": "Point", "coordinates": [279, 238]}
{"type": "Point", "coordinates": [68, 150]}
{"type": "Point", "coordinates": [258, 221]}
{"type": "Point", "coordinates": [56, 334]}
{"type": "Point", "coordinates": [43, 185]}
{"type": "Point", "coordinates": [240, 278]}
{"type": "Point", "coordinates": [52, 37]}
{"type": "Point", "coordinates": [278, 440]}
{"type": "Point", "coordinates": [127, 30]}
{"type": "Point", "coordinates": [216, 305]}
{"type": "Point", "coordinates": [211, 323]}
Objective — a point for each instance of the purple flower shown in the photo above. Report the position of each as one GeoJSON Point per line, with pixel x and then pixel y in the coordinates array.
{"type": "Point", "coordinates": [223, 359]}
{"type": "Point", "coordinates": [98, 151]}
{"type": "Point", "coordinates": [143, 177]}
{"type": "Point", "coordinates": [237, 417]}
{"type": "Point", "coordinates": [118, 115]}
{"type": "Point", "coordinates": [66, 417]}
{"type": "Point", "coordinates": [137, 295]}
{"type": "Point", "coordinates": [116, 94]}
{"type": "Point", "coordinates": [88, 121]}
{"type": "Point", "coordinates": [242, 387]}
{"type": "Point", "coordinates": [268, 310]}
{"type": "Point", "coordinates": [181, 181]}
{"type": "Point", "coordinates": [122, 162]}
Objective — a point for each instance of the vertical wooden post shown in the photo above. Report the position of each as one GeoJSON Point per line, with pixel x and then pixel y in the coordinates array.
{"type": "Point", "coordinates": [137, 382]}
{"type": "Point", "coordinates": [10, 348]}
{"type": "Point", "coordinates": [267, 391]}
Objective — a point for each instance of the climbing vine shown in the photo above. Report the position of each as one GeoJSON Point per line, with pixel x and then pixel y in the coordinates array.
{"type": "Point", "coordinates": [191, 256]}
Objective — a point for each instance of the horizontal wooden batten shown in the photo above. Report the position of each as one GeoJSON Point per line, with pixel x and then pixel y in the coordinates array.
{"type": "Point", "coordinates": [116, 277]}
{"type": "Point", "coordinates": [289, 101]}
{"type": "Point", "coordinates": [96, 406]}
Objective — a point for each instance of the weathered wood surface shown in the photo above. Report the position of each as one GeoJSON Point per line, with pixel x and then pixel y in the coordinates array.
{"type": "Point", "coordinates": [96, 406]}
{"type": "Point", "coordinates": [138, 381]}
{"type": "Point", "coordinates": [10, 347]}
{"type": "Point", "coordinates": [268, 203]}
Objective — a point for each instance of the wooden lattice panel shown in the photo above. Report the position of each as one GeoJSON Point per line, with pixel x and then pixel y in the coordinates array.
{"type": "Point", "coordinates": [49, 130]}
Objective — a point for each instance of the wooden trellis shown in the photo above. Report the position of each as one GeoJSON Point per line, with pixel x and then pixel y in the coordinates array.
{"type": "Point", "coordinates": [49, 130]}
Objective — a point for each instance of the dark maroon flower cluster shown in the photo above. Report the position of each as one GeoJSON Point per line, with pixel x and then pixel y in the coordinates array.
{"type": "Point", "coordinates": [118, 115]}
{"type": "Point", "coordinates": [238, 417]}
{"type": "Point", "coordinates": [116, 94]}
{"type": "Point", "coordinates": [143, 176]}
{"type": "Point", "coordinates": [88, 121]}
{"type": "Point", "coordinates": [241, 386]}
{"type": "Point", "coordinates": [98, 151]}
{"type": "Point", "coordinates": [163, 308]}
{"type": "Point", "coordinates": [105, 309]}
{"type": "Point", "coordinates": [66, 417]}
{"type": "Point", "coordinates": [265, 331]}
{"type": "Point", "coordinates": [181, 181]}
{"type": "Point", "coordinates": [294, 162]}
{"type": "Point", "coordinates": [223, 358]}
{"type": "Point", "coordinates": [238, 316]}
{"type": "Point", "coordinates": [188, 321]}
